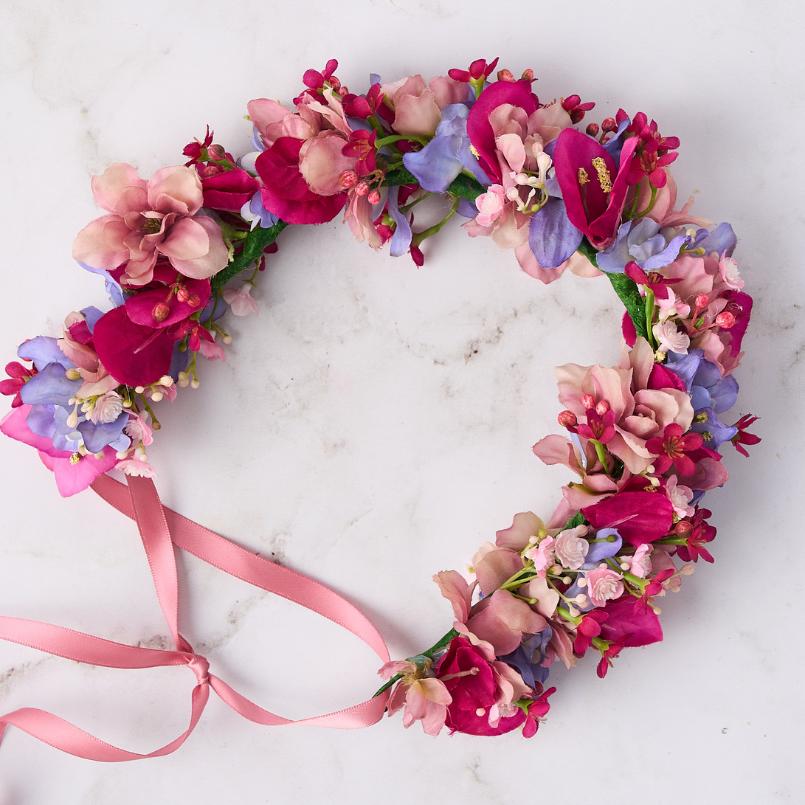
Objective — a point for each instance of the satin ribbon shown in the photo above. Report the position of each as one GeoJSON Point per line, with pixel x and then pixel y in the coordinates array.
{"type": "Point", "coordinates": [161, 529]}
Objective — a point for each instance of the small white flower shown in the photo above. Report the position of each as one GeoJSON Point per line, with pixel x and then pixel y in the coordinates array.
{"type": "Point", "coordinates": [670, 338]}
{"type": "Point", "coordinates": [107, 408]}
{"type": "Point", "coordinates": [572, 548]}
{"type": "Point", "coordinates": [730, 275]}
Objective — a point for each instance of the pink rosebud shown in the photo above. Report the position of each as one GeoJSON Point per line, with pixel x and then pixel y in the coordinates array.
{"type": "Point", "coordinates": [603, 585]}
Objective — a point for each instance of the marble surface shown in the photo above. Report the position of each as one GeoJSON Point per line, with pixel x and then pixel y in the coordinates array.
{"type": "Point", "coordinates": [373, 424]}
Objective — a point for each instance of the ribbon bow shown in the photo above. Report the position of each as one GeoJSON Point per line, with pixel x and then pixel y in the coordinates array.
{"type": "Point", "coordinates": [162, 530]}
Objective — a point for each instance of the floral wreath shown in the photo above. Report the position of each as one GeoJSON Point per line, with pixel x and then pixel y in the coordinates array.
{"type": "Point", "coordinates": [183, 249]}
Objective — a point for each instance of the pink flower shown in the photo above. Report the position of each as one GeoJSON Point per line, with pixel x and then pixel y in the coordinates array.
{"type": "Point", "coordinates": [542, 555]}
{"type": "Point", "coordinates": [417, 105]}
{"type": "Point", "coordinates": [639, 564]}
{"type": "Point", "coordinates": [603, 585]}
{"type": "Point", "coordinates": [137, 468]}
{"type": "Point", "coordinates": [424, 698]}
{"type": "Point", "coordinates": [490, 205]}
{"type": "Point", "coordinates": [74, 472]}
{"type": "Point", "coordinates": [572, 548]}
{"type": "Point", "coordinates": [18, 375]}
{"type": "Point", "coordinates": [285, 191]}
{"type": "Point", "coordinates": [322, 162]}
{"type": "Point", "coordinates": [148, 219]}
{"type": "Point", "coordinates": [499, 619]}
{"type": "Point", "coordinates": [240, 300]}
{"type": "Point", "coordinates": [680, 496]}
{"type": "Point", "coordinates": [537, 711]}
{"type": "Point", "coordinates": [670, 338]}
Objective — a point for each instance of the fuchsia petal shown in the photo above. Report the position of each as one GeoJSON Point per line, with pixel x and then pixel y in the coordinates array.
{"type": "Point", "coordinates": [640, 517]}
{"type": "Point", "coordinates": [285, 192]}
{"type": "Point", "coordinates": [479, 129]}
{"type": "Point", "coordinates": [132, 354]}
{"type": "Point", "coordinates": [15, 425]}
{"type": "Point", "coordinates": [629, 624]}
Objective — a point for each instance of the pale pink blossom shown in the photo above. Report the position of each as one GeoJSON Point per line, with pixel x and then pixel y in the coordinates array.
{"type": "Point", "coordinates": [603, 585]}
{"type": "Point", "coordinates": [670, 338]}
{"type": "Point", "coordinates": [321, 162]}
{"type": "Point", "coordinates": [149, 219]}
{"type": "Point", "coordinates": [137, 468]}
{"type": "Point", "coordinates": [240, 300]}
{"type": "Point", "coordinates": [680, 496]}
{"type": "Point", "coordinates": [139, 430]}
{"type": "Point", "coordinates": [490, 205]}
{"type": "Point", "coordinates": [542, 555]}
{"type": "Point", "coordinates": [423, 698]}
{"type": "Point", "coordinates": [417, 105]}
{"type": "Point", "coordinates": [572, 548]}
{"type": "Point", "coordinates": [106, 408]}
{"type": "Point", "coordinates": [639, 564]}
{"type": "Point", "coordinates": [729, 273]}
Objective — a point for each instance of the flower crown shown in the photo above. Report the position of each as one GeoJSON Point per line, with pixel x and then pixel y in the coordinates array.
{"type": "Point", "coordinates": [182, 250]}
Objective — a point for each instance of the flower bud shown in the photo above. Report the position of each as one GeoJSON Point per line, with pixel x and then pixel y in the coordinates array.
{"type": "Point", "coordinates": [160, 311]}
{"type": "Point", "coordinates": [725, 320]}
{"type": "Point", "coordinates": [567, 419]}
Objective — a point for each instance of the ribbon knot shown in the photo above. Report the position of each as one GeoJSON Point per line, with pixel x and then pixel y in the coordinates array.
{"type": "Point", "coordinates": [200, 666]}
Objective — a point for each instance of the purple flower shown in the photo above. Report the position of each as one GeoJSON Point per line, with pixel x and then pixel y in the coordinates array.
{"type": "Point", "coordinates": [551, 236]}
{"type": "Point", "coordinates": [43, 350]}
{"type": "Point", "coordinates": [640, 242]}
{"type": "Point", "coordinates": [711, 393]}
{"type": "Point", "coordinates": [606, 544]}
{"type": "Point", "coordinates": [447, 154]}
{"type": "Point", "coordinates": [50, 386]}
{"type": "Point", "coordinates": [528, 658]}
{"type": "Point", "coordinates": [401, 239]}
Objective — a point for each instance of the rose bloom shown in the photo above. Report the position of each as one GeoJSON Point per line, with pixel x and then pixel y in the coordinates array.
{"type": "Point", "coordinates": [571, 547]}
{"type": "Point", "coordinates": [603, 585]}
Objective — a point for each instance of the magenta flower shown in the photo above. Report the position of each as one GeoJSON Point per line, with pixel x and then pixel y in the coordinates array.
{"type": "Point", "coordinates": [639, 516]}
{"type": "Point", "coordinates": [593, 187]}
{"type": "Point", "coordinates": [672, 448]}
{"type": "Point", "coordinates": [148, 219]}
{"type": "Point", "coordinates": [18, 375]}
{"type": "Point", "coordinates": [483, 690]}
{"type": "Point", "coordinates": [135, 341]}
{"type": "Point", "coordinates": [537, 710]}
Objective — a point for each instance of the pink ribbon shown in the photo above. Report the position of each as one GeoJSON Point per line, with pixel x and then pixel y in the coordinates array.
{"type": "Point", "coordinates": [161, 529]}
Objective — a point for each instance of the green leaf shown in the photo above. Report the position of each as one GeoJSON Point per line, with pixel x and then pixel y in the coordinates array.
{"type": "Point", "coordinates": [576, 520]}
{"type": "Point", "coordinates": [629, 294]}
{"type": "Point", "coordinates": [256, 242]}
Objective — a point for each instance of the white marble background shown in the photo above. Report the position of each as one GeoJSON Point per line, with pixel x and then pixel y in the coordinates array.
{"type": "Point", "coordinates": [374, 423]}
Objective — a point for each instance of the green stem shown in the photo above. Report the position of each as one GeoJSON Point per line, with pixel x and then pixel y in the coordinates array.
{"type": "Point", "coordinates": [443, 641]}
{"type": "Point", "coordinates": [601, 452]}
{"type": "Point", "coordinates": [419, 237]}
{"type": "Point", "coordinates": [393, 138]}
{"type": "Point", "coordinates": [649, 306]}
{"type": "Point", "coordinates": [255, 243]}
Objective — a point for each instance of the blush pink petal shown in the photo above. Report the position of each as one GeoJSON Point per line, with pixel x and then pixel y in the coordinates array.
{"type": "Point", "coordinates": [446, 91]}
{"type": "Point", "coordinates": [496, 567]}
{"type": "Point", "coordinates": [502, 620]}
{"type": "Point", "coordinates": [176, 189]}
{"type": "Point", "coordinates": [101, 243]}
{"type": "Point", "coordinates": [453, 586]}
{"type": "Point", "coordinates": [321, 162]}
{"type": "Point", "coordinates": [206, 265]}
{"type": "Point", "coordinates": [417, 115]}
{"type": "Point", "coordinates": [524, 526]}
{"type": "Point", "coordinates": [186, 240]}
{"type": "Point", "coordinates": [119, 189]}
